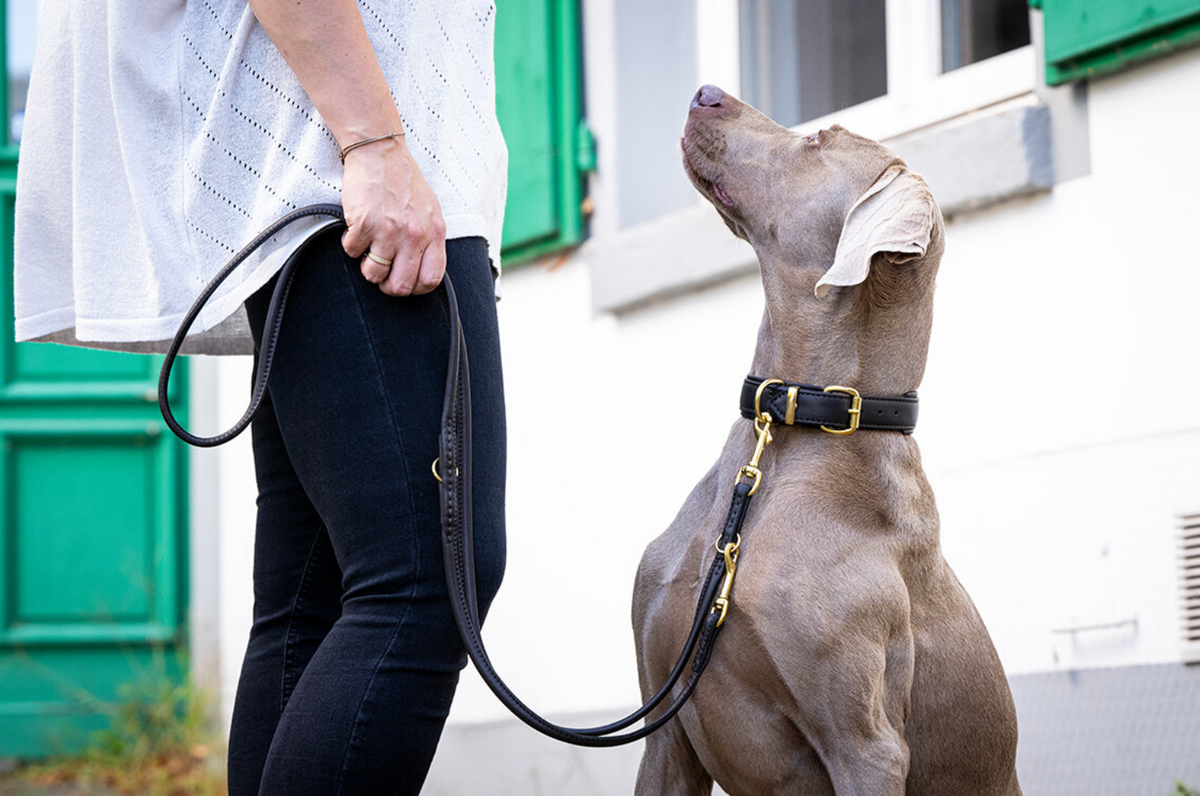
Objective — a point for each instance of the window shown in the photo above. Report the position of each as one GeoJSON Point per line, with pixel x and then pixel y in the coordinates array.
{"type": "Point", "coordinates": [21, 25]}
{"type": "Point", "coordinates": [882, 67]}
{"type": "Point", "coordinates": [877, 67]}
{"type": "Point", "coordinates": [975, 30]}
{"type": "Point", "coordinates": [802, 60]}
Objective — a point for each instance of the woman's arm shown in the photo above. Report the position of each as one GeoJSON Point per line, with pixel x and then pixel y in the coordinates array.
{"type": "Point", "coordinates": [390, 209]}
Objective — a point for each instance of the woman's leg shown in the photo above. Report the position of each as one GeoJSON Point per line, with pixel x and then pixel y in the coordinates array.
{"type": "Point", "coordinates": [356, 389]}
{"type": "Point", "coordinates": [297, 599]}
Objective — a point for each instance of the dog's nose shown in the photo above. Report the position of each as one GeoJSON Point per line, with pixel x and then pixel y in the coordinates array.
{"type": "Point", "coordinates": [708, 97]}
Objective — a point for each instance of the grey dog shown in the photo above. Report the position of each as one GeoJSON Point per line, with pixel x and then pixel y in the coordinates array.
{"type": "Point", "coordinates": [853, 661]}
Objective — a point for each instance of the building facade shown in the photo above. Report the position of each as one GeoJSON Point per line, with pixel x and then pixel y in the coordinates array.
{"type": "Point", "coordinates": [1061, 144]}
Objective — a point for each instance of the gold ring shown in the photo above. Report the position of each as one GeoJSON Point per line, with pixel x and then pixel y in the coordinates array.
{"type": "Point", "coordinates": [381, 260]}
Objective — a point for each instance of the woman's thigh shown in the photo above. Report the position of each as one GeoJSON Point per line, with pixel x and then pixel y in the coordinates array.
{"type": "Point", "coordinates": [356, 385]}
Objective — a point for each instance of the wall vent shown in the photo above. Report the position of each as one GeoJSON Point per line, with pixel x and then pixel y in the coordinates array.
{"type": "Point", "coordinates": [1189, 582]}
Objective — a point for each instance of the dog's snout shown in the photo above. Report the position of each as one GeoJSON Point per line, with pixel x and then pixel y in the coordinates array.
{"type": "Point", "coordinates": [708, 96]}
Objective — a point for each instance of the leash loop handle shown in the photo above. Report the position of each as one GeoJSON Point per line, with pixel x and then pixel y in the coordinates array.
{"type": "Point", "coordinates": [454, 463]}
{"type": "Point", "coordinates": [271, 335]}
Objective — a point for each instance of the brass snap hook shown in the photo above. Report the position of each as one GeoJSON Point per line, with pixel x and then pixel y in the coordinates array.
{"type": "Point", "coordinates": [730, 551]}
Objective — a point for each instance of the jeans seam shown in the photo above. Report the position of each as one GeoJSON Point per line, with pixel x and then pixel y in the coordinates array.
{"type": "Point", "coordinates": [290, 636]}
{"type": "Point", "coordinates": [413, 536]}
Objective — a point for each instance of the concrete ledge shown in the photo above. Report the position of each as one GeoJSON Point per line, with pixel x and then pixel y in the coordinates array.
{"type": "Point", "coordinates": [971, 163]}
{"type": "Point", "coordinates": [677, 253]}
{"type": "Point", "coordinates": [983, 158]}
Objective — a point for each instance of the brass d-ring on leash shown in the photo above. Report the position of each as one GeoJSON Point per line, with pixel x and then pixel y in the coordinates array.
{"type": "Point", "coordinates": [434, 467]}
{"type": "Point", "coordinates": [452, 469]}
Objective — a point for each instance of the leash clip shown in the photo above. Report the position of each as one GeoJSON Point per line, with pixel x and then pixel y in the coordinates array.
{"type": "Point", "coordinates": [730, 552]}
{"type": "Point", "coordinates": [762, 428]}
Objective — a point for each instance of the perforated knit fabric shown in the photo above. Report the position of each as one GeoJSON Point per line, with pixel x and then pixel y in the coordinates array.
{"type": "Point", "coordinates": [161, 137]}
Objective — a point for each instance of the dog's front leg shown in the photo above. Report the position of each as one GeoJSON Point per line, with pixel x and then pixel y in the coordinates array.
{"type": "Point", "coordinates": [670, 766]}
{"type": "Point", "coordinates": [876, 766]}
{"type": "Point", "coordinates": [862, 695]}
{"type": "Point", "coordinates": [866, 754]}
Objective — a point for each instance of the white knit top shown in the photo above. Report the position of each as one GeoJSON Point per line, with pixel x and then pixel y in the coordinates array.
{"type": "Point", "coordinates": [162, 136]}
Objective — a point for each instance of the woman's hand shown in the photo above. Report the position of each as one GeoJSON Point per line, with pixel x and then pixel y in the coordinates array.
{"type": "Point", "coordinates": [392, 213]}
{"type": "Point", "coordinates": [390, 210]}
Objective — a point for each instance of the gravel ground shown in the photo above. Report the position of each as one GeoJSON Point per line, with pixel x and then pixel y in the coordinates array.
{"type": "Point", "coordinates": [15, 788]}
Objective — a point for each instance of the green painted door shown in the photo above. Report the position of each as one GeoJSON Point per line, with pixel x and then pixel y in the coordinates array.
{"type": "Point", "coordinates": [92, 510]}
{"type": "Point", "coordinates": [538, 102]}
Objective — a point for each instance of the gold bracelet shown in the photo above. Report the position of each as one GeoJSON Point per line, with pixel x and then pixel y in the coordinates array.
{"type": "Point", "coordinates": [342, 154]}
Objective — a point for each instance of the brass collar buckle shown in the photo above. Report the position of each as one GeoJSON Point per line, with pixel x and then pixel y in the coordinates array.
{"type": "Point", "coordinates": [855, 410]}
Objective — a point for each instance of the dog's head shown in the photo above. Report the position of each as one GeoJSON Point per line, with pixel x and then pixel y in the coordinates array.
{"type": "Point", "coordinates": [828, 210]}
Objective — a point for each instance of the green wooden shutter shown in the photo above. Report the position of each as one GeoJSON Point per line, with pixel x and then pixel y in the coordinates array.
{"type": "Point", "coordinates": [93, 506]}
{"type": "Point", "coordinates": [538, 103]}
{"type": "Point", "coordinates": [1088, 38]}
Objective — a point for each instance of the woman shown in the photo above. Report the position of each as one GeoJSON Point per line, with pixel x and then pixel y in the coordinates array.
{"type": "Point", "coordinates": [160, 138]}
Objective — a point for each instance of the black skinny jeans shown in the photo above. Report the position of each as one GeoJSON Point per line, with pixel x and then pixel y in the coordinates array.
{"type": "Point", "coordinates": [353, 655]}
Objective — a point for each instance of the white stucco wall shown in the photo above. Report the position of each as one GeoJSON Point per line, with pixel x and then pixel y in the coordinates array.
{"type": "Point", "coordinates": [1077, 309]}
{"type": "Point", "coordinates": [1065, 317]}
{"type": "Point", "coordinates": [1056, 424]}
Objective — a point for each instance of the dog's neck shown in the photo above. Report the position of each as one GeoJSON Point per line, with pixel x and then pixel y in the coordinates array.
{"type": "Point", "coordinates": [873, 337]}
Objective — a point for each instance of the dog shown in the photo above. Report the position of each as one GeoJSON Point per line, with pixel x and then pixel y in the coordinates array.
{"type": "Point", "coordinates": [853, 661]}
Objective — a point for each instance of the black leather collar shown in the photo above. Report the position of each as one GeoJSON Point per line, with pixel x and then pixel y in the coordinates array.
{"type": "Point", "coordinates": [790, 403]}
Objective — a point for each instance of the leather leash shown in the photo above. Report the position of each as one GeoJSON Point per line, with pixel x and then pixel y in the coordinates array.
{"type": "Point", "coordinates": [456, 505]}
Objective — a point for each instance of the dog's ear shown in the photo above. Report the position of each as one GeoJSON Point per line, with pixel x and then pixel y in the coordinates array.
{"type": "Point", "coordinates": [893, 218]}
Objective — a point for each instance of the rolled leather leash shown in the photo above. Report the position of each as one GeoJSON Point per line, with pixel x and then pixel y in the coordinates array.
{"type": "Point", "coordinates": [457, 528]}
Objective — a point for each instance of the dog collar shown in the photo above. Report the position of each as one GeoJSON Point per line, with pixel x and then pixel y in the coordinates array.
{"type": "Point", "coordinates": [836, 409]}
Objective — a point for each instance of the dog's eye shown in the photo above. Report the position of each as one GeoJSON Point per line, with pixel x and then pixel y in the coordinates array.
{"type": "Point", "coordinates": [812, 140]}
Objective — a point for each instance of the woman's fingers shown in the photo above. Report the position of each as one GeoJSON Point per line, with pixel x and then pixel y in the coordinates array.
{"type": "Point", "coordinates": [375, 268]}
{"type": "Point", "coordinates": [433, 267]}
{"type": "Point", "coordinates": [356, 238]}
{"type": "Point", "coordinates": [420, 262]}
{"type": "Point", "coordinates": [394, 221]}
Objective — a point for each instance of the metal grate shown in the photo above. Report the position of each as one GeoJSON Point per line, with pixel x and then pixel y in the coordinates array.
{"type": "Point", "coordinates": [1189, 582]}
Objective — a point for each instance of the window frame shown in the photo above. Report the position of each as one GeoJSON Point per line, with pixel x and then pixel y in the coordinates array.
{"type": "Point", "coordinates": [632, 268]}
{"type": "Point", "coordinates": [919, 93]}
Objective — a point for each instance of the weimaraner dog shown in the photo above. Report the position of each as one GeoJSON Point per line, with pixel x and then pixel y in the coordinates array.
{"type": "Point", "coordinates": [853, 661]}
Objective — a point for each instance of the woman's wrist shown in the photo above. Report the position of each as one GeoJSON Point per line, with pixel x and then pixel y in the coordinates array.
{"type": "Point", "coordinates": [377, 139]}
{"type": "Point", "coordinates": [360, 127]}
{"type": "Point", "coordinates": [386, 148]}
